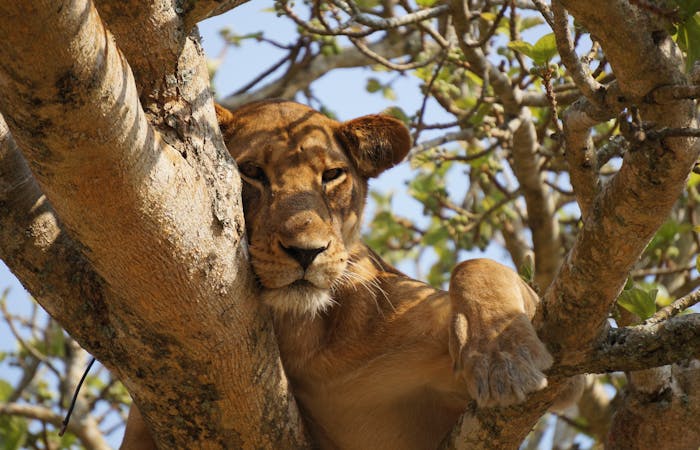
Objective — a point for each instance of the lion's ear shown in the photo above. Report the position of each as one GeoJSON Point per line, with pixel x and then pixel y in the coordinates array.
{"type": "Point", "coordinates": [375, 143]}
{"type": "Point", "coordinates": [224, 117]}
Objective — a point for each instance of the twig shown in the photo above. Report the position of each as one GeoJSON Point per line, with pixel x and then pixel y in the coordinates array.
{"type": "Point", "coordinates": [674, 308]}
{"type": "Point", "coordinates": [90, 437]}
{"type": "Point", "coordinates": [661, 271]}
{"type": "Point", "coordinates": [465, 158]}
{"type": "Point", "coordinates": [492, 30]}
{"type": "Point", "coordinates": [24, 344]}
{"type": "Point", "coordinates": [545, 11]}
{"type": "Point", "coordinates": [291, 57]}
{"type": "Point", "coordinates": [551, 96]}
{"type": "Point", "coordinates": [340, 31]}
{"type": "Point", "coordinates": [373, 23]}
{"type": "Point", "coordinates": [429, 87]}
{"type": "Point", "coordinates": [515, 36]}
{"type": "Point", "coordinates": [362, 47]}
{"type": "Point", "coordinates": [565, 44]}
{"type": "Point", "coordinates": [381, 23]}
{"type": "Point", "coordinates": [449, 137]}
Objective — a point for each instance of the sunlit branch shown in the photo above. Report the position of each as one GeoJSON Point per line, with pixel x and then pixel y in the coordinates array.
{"type": "Point", "coordinates": [565, 44]}
{"type": "Point", "coordinates": [365, 50]}
{"type": "Point", "coordinates": [85, 430]}
{"type": "Point", "coordinates": [461, 135]}
{"type": "Point", "coordinates": [373, 23]}
{"type": "Point", "coordinates": [380, 23]}
{"type": "Point", "coordinates": [643, 346]}
{"type": "Point", "coordinates": [674, 308]}
{"type": "Point", "coordinates": [545, 11]}
{"type": "Point", "coordinates": [308, 71]}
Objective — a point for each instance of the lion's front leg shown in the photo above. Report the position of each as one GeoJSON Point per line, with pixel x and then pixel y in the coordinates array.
{"type": "Point", "coordinates": [493, 344]}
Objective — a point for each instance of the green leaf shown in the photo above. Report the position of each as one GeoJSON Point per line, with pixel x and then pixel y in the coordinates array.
{"type": "Point", "coordinates": [389, 93]}
{"type": "Point", "coordinates": [527, 270]}
{"type": "Point", "coordinates": [56, 341]}
{"type": "Point", "coordinates": [328, 113]}
{"type": "Point", "coordinates": [13, 430]}
{"type": "Point", "coordinates": [522, 47]}
{"type": "Point", "coordinates": [687, 8]}
{"type": "Point", "coordinates": [398, 113]}
{"type": "Point", "coordinates": [693, 180]}
{"type": "Point", "coordinates": [5, 390]}
{"type": "Point", "coordinates": [544, 49]}
{"type": "Point", "coordinates": [688, 39]}
{"type": "Point", "coordinates": [435, 235]}
{"type": "Point", "coordinates": [373, 85]}
{"type": "Point", "coordinates": [526, 23]}
{"type": "Point", "coordinates": [426, 3]}
{"type": "Point", "coordinates": [639, 302]}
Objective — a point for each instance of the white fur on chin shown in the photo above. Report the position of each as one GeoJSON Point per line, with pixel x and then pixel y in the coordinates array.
{"type": "Point", "coordinates": [299, 300]}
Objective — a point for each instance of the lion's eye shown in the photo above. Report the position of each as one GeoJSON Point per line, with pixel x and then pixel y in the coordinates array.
{"type": "Point", "coordinates": [253, 172]}
{"type": "Point", "coordinates": [332, 174]}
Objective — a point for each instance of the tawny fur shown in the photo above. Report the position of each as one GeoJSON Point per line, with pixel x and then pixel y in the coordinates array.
{"type": "Point", "coordinates": [376, 359]}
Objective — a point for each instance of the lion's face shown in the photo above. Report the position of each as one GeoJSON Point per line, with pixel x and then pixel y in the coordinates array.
{"type": "Point", "coordinates": [305, 182]}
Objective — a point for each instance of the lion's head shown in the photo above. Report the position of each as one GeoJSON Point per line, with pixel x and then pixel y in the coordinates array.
{"type": "Point", "coordinates": [305, 182]}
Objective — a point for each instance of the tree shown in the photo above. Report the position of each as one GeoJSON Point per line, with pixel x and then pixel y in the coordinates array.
{"type": "Point", "coordinates": [120, 208]}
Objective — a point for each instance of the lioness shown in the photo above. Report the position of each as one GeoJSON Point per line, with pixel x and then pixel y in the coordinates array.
{"type": "Point", "coordinates": [376, 359]}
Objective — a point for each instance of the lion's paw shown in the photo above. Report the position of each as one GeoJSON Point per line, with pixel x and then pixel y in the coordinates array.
{"type": "Point", "coordinates": [503, 370]}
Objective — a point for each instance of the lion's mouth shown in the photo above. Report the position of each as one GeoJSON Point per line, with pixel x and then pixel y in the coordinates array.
{"type": "Point", "coordinates": [303, 284]}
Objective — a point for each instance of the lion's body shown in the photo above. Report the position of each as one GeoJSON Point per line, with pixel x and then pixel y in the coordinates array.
{"type": "Point", "coordinates": [375, 370]}
{"type": "Point", "coordinates": [376, 359]}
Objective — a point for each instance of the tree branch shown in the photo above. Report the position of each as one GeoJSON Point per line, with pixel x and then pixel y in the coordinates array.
{"type": "Point", "coordinates": [197, 10]}
{"type": "Point", "coordinates": [526, 162]}
{"type": "Point", "coordinates": [641, 347]}
{"type": "Point", "coordinates": [637, 200]}
{"type": "Point", "coordinates": [581, 157]}
{"type": "Point", "coordinates": [47, 261]}
{"type": "Point", "coordinates": [674, 308]}
{"type": "Point", "coordinates": [538, 198]}
{"type": "Point", "coordinates": [150, 56]}
{"type": "Point", "coordinates": [346, 58]}
{"type": "Point", "coordinates": [581, 75]}
{"type": "Point", "coordinates": [624, 216]}
{"type": "Point", "coordinates": [377, 23]}
{"type": "Point", "coordinates": [86, 430]}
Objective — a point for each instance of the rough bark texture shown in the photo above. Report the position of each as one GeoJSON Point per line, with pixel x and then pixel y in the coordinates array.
{"type": "Point", "coordinates": [158, 219]}
{"type": "Point", "coordinates": [660, 409]}
{"type": "Point", "coordinates": [636, 201]}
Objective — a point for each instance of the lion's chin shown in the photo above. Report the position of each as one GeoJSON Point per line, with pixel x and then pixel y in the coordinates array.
{"type": "Point", "coordinates": [300, 298]}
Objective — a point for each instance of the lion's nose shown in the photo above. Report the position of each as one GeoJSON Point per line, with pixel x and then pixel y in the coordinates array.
{"type": "Point", "coordinates": [304, 256]}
